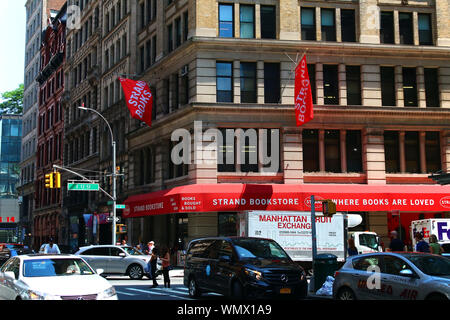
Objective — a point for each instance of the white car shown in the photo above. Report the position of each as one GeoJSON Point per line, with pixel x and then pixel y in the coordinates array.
{"type": "Point", "coordinates": [52, 277]}
{"type": "Point", "coordinates": [116, 260]}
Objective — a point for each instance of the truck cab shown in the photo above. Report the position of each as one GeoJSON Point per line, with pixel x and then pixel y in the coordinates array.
{"type": "Point", "coordinates": [366, 241]}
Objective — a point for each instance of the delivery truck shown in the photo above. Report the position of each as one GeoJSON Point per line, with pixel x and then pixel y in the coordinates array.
{"type": "Point", "coordinates": [427, 227]}
{"type": "Point", "coordinates": [292, 230]}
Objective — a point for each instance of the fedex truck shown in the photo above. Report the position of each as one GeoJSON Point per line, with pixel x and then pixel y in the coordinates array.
{"type": "Point", "coordinates": [427, 227]}
{"type": "Point", "coordinates": [292, 230]}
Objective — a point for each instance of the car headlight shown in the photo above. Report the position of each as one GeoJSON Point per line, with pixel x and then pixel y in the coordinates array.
{"type": "Point", "coordinates": [108, 293]}
{"type": "Point", "coordinates": [254, 274]}
{"type": "Point", "coordinates": [36, 295]}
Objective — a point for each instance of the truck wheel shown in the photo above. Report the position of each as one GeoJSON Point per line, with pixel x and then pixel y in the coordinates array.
{"type": "Point", "coordinates": [345, 294]}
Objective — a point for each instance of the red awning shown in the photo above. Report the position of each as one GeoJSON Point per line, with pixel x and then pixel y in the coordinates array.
{"type": "Point", "coordinates": [288, 197]}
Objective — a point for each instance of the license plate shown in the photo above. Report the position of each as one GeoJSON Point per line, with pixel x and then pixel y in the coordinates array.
{"type": "Point", "coordinates": [285, 290]}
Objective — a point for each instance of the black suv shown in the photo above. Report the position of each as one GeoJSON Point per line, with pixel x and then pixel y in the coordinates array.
{"type": "Point", "coordinates": [242, 267]}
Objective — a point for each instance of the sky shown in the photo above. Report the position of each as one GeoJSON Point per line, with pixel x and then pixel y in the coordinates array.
{"type": "Point", "coordinates": [12, 43]}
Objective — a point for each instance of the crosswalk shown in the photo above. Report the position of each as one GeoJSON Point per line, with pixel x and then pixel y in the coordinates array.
{"type": "Point", "coordinates": [176, 292]}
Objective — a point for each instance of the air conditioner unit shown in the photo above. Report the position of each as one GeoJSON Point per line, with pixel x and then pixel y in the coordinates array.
{"type": "Point", "coordinates": [184, 70]}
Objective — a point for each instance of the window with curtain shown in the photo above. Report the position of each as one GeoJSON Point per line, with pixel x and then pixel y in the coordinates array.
{"type": "Point", "coordinates": [224, 81]}
{"type": "Point", "coordinates": [247, 21]}
{"type": "Point", "coordinates": [308, 23]}
{"type": "Point", "coordinates": [328, 25]}
{"type": "Point", "coordinates": [425, 32]}
{"type": "Point", "coordinates": [226, 21]}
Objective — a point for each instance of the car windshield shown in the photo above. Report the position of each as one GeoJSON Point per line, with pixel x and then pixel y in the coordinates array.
{"type": "Point", "coordinates": [368, 240]}
{"type": "Point", "coordinates": [55, 268]}
{"type": "Point", "coordinates": [132, 251]}
{"type": "Point", "coordinates": [431, 264]}
{"type": "Point", "coordinates": [259, 249]}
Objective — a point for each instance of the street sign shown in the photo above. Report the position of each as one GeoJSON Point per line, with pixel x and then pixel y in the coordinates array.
{"type": "Point", "coordinates": [83, 186]}
{"type": "Point", "coordinates": [120, 206]}
{"type": "Point", "coordinates": [110, 219]}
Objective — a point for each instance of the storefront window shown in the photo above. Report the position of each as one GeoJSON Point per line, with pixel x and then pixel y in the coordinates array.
{"type": "Point", "coordinates": [228, 224]}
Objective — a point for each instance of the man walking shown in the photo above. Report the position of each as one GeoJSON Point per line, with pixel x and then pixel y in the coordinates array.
{"type": "Point", "coordinates": [396, 244]}
{"type": "Point", "coordinates": [51, 247]}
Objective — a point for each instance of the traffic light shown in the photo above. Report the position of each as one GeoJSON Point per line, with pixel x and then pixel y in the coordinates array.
{"type": "Point", "coordinates": [49, 180]}
{"type": "Point", "coordinates": [121, 228]}
{"type": "Point", "coordinates": [328, 207]}
{"type": "Point", "coordinates": [57, 179]}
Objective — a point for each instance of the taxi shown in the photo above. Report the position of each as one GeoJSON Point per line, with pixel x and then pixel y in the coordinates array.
{"type": "Point", "coordinates": [393, 276]}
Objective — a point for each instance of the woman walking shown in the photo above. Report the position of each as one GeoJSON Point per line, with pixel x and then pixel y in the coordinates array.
{"type": "Point", "coordinates": [435, 248]}
{"type": "Point", "coordinates": [153, 269]}
{"type": "Point", "coordinates": [165, 258]}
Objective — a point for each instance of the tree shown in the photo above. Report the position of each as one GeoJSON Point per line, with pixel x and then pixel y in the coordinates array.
{"type": "Point", "coordinates": [11, 102]}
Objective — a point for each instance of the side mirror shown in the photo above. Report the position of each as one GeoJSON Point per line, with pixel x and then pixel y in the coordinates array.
{"type": "Point", "coordinates": [407, 273]}
{"type": "Point", "coordinates": [10, 275]}
{"type": "Point", "coordinates": [122, 254]}
{"type": "Point", "coordinates": [100, 271]}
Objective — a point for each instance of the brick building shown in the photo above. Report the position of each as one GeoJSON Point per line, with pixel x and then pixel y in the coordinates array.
{"type": "Point", "coordinates": [47, 219]}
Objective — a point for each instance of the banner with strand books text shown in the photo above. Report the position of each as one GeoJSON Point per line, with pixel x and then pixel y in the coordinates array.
{"type": "Point", "coordinates": [139, 99]}
{"type": "Point", "coordinates": [302, 94]}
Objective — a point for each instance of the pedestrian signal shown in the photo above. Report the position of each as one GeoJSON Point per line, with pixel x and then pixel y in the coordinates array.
{"type": "Point", "coordinates": [328, 207]}
{"type": "Point", "coordinates": [49, 180]}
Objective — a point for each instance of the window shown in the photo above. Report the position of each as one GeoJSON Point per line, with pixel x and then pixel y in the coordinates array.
{"type": "Point", "coordinates": [431, 87]}
{"type": "Point", "coordinates": [247, 19]}
{"type": "Point", "coordinates": [226, 152]}
{"type": "Point", "coordinates": [391, 151]}
{"type": "Point", "coordinates": [169, 38]}
{"type": "Point", "coordinates": [248, 82]}
{"type": "Point", "coordinates": [227, 225]}
{"type": "Point", "coordinates": [433, 151]}
{"type": "Point", "coordinates": [177, 32]}
{"type": "Point", "coordinates": [332, 151]}
{"type": "Point", "coordinates": [176, 170]}
{"type": "Point", "coordinates": [328, 25]}
{"type": "Point", "coordinates": [365, 263]}
{"type": "Point", "coordinates": [353, 78]}
{"type": "Point", "coordinates": [330, 83]}
{"type": "Point", "coordinates": [308, 23]}
{"type": "Point", "coordinates": [409, 87]}
{"type": "Point", "coordinates": [310, 141]}
{"type": "Point", "coordinates": [425, 34]}
{"type": "Point", "coordinates": [406, 28]}
{"type": "Point", "coordinates": [348, 33]}
{"type": "Point", "coordinates": [353, 151]}
{"type": "Point", "coordinates": [271, 82]}
{"type": "Point", "coordinates": [388, 86]}
{"type": "Point", "coordinates": [387, 27]}
{"type": "Point", "coordinates": [185, 26]}
{"type": "Point", "coordinates": [249, 151]}
{"type": "Point", "coordinates": [312, 80]}
{"type": "Point", "coordinates": [224, 81]}
{"type": "Point", "coordinates": [412, 152]}
{"type": "Point", "coordinates": [226, 21]}
{"type": "Point", "coordinates": [268, 22]}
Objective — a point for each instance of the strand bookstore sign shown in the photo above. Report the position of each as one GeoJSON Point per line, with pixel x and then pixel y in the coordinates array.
{"type": "Point", "coordinates": [283, 197]}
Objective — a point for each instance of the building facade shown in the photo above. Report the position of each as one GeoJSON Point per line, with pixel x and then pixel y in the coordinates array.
{"type": "Point", "coordinates": [380, 79]}
{"type": "Point", "coordinates": [38, 13]}
{"type": "Point", "coordinates": [47, 219]}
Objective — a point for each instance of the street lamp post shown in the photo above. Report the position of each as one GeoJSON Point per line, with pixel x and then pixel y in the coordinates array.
{"type": "Point", "coordinates": [114, 198]}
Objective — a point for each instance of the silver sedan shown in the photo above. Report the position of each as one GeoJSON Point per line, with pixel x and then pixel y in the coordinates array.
{"type": "Point", "coordinates": [393, 276]}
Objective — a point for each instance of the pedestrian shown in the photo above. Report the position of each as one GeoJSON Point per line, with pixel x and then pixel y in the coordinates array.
{"type": "Point", "coordinates": [421, 245]}
{"type": "Point", "coordinates": [435, 247]}
{"type": "Point", "coordinates": [152, 267]}
{"type": "Point", "coordinates": [138, 247]}
{"type": "Point", "coordinates": [351, 250]}
{"type": "Point", "coordinates": [51, 247]}
{"type": "Point", "coordinates": [165, 258]}
{"type": "Point", "coordinates": [396, 244]}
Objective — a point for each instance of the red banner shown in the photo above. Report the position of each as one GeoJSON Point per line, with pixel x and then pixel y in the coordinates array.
{"type": "Point", "coordinates": [303, 95]}
{"type": "Point", "coordinates": [139, 99]}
